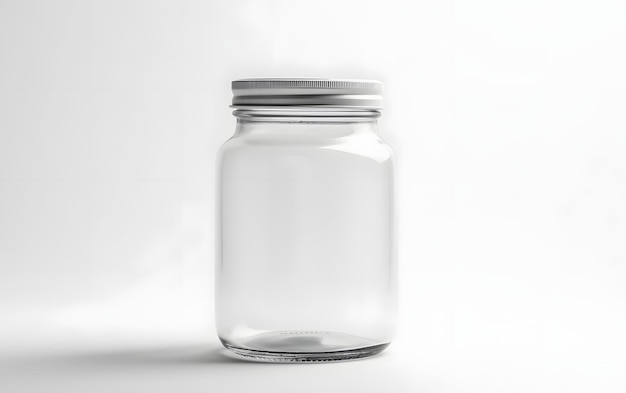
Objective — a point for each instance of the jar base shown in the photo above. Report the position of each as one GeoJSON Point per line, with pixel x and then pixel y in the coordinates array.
{"type": "Point", "coordinates": [302, 346]}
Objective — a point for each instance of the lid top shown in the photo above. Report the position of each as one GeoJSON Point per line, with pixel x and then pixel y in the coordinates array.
{"type": "Point", "coordinates": [337, 93]}
{"type": "Point", "coordinates": [309, 83]}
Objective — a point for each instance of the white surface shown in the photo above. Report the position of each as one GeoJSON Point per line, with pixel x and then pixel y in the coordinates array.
{"type": "Point", "coordinates": [508, 118]}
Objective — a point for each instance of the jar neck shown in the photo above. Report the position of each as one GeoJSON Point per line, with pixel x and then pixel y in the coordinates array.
{"type": "Point", "coordinates": [305, 124]}
{"type": "Point", "coordinates": [306, 114]}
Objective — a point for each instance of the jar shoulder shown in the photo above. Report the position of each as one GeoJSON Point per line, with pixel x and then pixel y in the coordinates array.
{"type": "Point", "coordinates": [364, 146]}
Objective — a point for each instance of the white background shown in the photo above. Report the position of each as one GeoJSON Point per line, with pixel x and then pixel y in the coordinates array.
{"type": "Point", "coordinates": [509, 119]}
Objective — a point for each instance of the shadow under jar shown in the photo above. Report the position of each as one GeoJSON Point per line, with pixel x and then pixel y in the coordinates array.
{"type": "Point", "coordinates": [305, 261]}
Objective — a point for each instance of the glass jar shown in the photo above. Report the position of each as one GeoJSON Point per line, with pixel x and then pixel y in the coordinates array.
{"type": "Point", "coordinates": [305, 262]}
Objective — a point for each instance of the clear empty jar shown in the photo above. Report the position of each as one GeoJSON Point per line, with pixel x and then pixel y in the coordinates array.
{"type": "Point", "coordinates": [305, 267]}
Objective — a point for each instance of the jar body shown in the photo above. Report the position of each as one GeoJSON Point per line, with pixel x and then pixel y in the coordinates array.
{"type": "Point", "coordinates": [305, 266]}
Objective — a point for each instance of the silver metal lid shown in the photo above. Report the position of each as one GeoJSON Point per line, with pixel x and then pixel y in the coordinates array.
{"type": "Point", "coordinates": [330, 93]}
